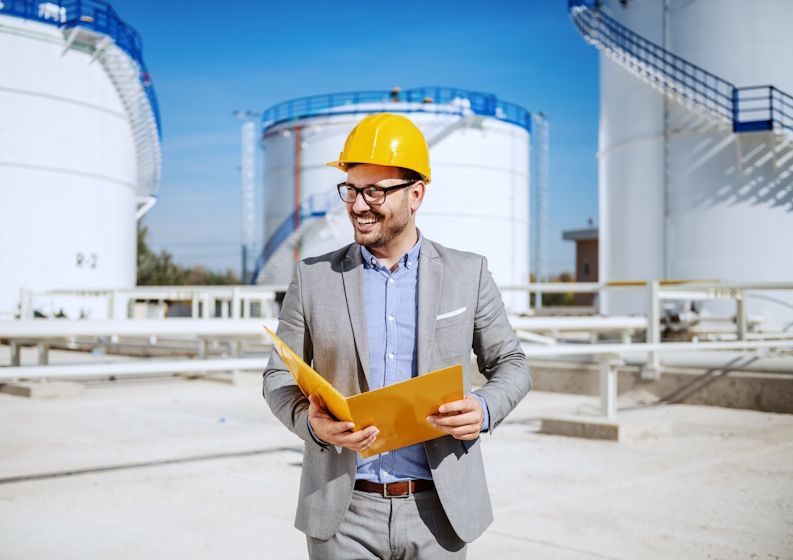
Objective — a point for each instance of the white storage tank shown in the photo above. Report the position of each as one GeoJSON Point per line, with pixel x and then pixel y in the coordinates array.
{"type": "Point", "coordinates": [478, 199]}
{"type": "Point", "coordinates": [79, 148]}
{"type": "Point", "coordinates": [683, 196]}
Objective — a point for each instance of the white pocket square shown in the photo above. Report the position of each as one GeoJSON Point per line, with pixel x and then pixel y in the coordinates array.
{"type": "Point", "coordinates": [451, 313]}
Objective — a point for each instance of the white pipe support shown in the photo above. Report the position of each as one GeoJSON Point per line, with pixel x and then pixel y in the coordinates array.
{"type": "Point", "coordinates": [740, 316]}
{"type": "Point", "coordinates": [652, 369]}
{"type": "Point", "coordinates": [608, 364]}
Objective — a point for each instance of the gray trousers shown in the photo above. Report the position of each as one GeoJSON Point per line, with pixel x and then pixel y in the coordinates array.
{"type": "Point", "coordinates": [378, 528]}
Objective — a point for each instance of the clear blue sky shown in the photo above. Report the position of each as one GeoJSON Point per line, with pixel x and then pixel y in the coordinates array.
{"type": "Point", "coordinates": [210, 58]}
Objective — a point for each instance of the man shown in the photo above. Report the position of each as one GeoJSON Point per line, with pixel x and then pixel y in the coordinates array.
{"type": "Point", "coordinates": [386, 308]}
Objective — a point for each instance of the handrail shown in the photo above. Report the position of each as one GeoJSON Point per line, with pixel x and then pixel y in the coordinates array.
{"type": "Point", "coordinates": [315, 206]}
{"type": "Point", "coordinates": [437, 100]}
{"type": "Point", "coordinates": [742, 106]}
{"type": "Point", "coordinates": [96, 15]}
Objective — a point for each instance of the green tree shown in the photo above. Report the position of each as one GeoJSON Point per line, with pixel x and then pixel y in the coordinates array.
{"type": "Point", "coordinates": [159, 269]}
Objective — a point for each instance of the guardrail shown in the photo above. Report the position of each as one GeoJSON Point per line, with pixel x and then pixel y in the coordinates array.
{"type": "Point", "coordinates": [97, 15]}
{"type": "Point", "coordinates": [749, 109]}
{"type": "Point", "coordinates": [417, 100]}
{"type": "Point", "coordinates": [206, 302]}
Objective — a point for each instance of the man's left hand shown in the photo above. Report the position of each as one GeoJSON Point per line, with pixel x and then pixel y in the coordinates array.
{"type": "Point", "coordinates": [461, 419]}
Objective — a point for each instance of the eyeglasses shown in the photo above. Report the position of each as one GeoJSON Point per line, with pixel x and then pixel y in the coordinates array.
{"type": "Point", "coordinates": [372, 194]}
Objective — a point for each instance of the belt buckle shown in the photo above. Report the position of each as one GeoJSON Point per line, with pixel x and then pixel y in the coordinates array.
{"type": "Point", "coordinates": [387, 495]}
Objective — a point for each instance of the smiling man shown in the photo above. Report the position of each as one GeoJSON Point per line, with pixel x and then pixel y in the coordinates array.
{"type": "Point", "coordinates": [391, 306]}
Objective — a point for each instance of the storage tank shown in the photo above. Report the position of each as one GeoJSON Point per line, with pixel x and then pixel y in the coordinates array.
{"type": "Point", "coordinates": [79, 148]}
{"type": "Point", "coordinates": [682, 194]}
{"type": "Point", "coordinates": [478, 199]}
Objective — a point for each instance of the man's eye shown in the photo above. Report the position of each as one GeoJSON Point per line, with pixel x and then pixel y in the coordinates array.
{"type": "Point", "coordinates": [373, 190]}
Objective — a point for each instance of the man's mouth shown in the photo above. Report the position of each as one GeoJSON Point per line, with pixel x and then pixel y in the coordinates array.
{"type": "Point", "coordinates": [366, 221]}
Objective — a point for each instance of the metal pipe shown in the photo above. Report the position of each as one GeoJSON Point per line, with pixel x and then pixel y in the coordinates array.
{"type": "Point", "coordinates": [533, 351]}
{"type": "Point", "coordinates": [137, 367]}
{"type": "Point", "coordinates": [43, 329]}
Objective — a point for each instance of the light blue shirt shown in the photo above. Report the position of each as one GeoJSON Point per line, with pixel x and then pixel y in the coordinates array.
{"type": "Point", "coordinates": [391, 300]}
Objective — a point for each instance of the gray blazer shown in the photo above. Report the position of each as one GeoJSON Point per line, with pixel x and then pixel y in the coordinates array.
{"type": "Point", "coordinates": [323, 318]}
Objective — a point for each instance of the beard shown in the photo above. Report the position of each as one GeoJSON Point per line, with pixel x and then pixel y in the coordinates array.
{"type": "Point", "coordinates": [387, 228]}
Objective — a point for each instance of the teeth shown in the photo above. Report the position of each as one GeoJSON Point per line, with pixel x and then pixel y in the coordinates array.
{"type": "Point", "coordinates": [366, 222]}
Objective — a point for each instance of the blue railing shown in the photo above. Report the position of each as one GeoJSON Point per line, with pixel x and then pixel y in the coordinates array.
{"type": "Point", "coordinates": [750, 108]}
{"type": "Point", "coordinates": [96, 15]}
{"type": "Point", "coordinates": [437, 100]}
{"type": "Point", "coordinates": [314, 206]}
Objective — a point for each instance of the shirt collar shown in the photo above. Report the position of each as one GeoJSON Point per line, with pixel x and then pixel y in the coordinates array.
{"type": "Point", "coordinates": [408, 260]}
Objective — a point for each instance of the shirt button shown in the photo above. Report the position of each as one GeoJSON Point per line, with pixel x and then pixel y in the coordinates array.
{"type": "Point", "coordinates": [390, 280]}
{"type": "Point", "coordinates": [390, 355]}
{"type": "Point", "coordinates": [390, 317]}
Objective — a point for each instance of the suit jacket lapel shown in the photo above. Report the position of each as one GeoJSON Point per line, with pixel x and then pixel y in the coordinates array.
{"type": "Point", "coordinates": [430, 283]}
{"type": "Point", "coordinates": [352, 277]}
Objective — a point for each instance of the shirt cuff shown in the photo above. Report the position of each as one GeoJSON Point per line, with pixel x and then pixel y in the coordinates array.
{"type": "Point", "coordinates": [485, 410]}
{"type": "Point", "coordinates": [314, 436]}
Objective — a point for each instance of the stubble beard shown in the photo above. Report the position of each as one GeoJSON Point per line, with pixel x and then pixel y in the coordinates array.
{"type": "Point", "coordinates": [389, 228]}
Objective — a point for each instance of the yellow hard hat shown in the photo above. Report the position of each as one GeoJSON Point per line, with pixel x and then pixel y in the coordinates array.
{"type": "Point", "coordinates": [386, 139]}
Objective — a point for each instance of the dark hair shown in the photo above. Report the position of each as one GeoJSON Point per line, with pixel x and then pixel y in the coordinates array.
{"type": "Point", "coordinates": [404, 173]}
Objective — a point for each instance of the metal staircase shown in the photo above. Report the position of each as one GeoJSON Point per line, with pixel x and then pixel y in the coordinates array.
{"type": "Point", "coordinates": [741, 110]}
{"type": "Point", "coordinates": [277, 254]}
{"type": "Point", "coordinates": [747, 109]}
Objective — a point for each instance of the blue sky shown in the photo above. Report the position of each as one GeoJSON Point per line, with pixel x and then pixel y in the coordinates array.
{"type": "Point", "coordinates": [207, 61]}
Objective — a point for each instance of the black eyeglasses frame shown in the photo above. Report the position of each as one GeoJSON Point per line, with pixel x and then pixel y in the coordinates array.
{"type": "Point", "coordinates": [361, 191]}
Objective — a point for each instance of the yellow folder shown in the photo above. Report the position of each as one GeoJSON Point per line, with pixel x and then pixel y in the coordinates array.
{"type": "Point", "coordinates": [399, 411]}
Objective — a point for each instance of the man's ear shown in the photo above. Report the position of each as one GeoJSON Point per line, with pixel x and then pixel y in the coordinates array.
{"type": "Point", "coordinates": [416, 193]}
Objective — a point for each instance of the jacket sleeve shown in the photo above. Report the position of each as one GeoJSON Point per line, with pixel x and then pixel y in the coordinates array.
{"type": "Point", "coordinates": [282, 394]}
{"type": "Point", "coordinates": [498, 353]}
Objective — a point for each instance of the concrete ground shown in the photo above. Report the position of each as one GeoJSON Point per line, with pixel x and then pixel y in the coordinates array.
{"type": "Point", "coordinates": [201, 470]}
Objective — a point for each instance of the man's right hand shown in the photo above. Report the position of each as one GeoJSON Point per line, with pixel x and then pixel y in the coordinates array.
{"type": "Point", "coordinates": [333, 432]}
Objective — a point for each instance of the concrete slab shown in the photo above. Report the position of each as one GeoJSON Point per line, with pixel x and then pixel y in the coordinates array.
{"type": "Point", "coordinates": [624, 428]}
{"type": "Point", "coordinates": [43, 389]}
{"type": "Point", "coordinates": [194, 469]}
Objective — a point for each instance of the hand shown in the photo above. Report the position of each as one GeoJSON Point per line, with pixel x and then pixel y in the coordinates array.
{"type": "Point", "coordinates": [331, 431]}
{"type": "Point", "coordinates": [462, 419]}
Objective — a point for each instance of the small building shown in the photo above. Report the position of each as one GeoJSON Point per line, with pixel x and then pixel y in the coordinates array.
{"type": "Point", "coordinates": [586, 259]}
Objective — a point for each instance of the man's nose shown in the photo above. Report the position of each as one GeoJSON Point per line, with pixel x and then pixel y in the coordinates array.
{"type": "Point", "coordinates": [360, 204]}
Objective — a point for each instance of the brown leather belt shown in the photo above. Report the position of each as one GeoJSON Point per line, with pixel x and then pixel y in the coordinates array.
{"type": "Point", "coordinates": [395, 489]}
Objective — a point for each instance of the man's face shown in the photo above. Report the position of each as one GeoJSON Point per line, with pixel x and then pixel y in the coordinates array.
{"type": "Point", "coordinates": [377, 226]}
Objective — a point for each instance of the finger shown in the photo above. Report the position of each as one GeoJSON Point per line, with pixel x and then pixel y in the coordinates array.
{"type": "Point", "coordinates": [356, 438]}
{"type": "Point", "coordinates": [367, 443]}
{"type": "Point", "coordinates": [465, 435]}
{"type": "Point", "coordinates": [464, 405]}
{"type": "Point", "coordinates": [335, 428]}
{"type": "Point", "coordinates": [469, 418]}
{"type": "Point", "coordinates": [472, 429]}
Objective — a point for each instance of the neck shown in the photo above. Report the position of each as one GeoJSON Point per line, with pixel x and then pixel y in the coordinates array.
{"type": "Point", "coordinates": [390, 254]}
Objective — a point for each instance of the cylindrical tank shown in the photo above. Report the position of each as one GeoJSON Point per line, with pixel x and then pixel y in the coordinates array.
{"type": "Point", "coordinates": [479, 196]}
{"type": "Point", "coordinates": [78, 156]}
{"type": "Point", "coordinates": [681, 195]}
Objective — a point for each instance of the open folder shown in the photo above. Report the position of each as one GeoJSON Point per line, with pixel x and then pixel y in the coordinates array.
{"type": "Point", "coordinates": [399, 411]}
